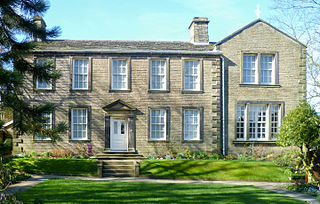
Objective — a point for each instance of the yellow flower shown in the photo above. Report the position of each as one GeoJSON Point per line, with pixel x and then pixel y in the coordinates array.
{"type": "Point", "coordinates": [296, 172]}
{"type": "Point", "coordinates": [297, 167]}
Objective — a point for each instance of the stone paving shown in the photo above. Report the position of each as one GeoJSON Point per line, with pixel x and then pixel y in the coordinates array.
{"type": "Point", "coordinates": [271, 186]}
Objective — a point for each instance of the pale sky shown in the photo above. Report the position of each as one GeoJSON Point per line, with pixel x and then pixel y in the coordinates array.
{"type": "Point", "coordinates": [160, 20]}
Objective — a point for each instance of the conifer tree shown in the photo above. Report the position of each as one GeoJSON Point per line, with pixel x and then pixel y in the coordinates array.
{"type": "Point", "coordinates": [18, 36]}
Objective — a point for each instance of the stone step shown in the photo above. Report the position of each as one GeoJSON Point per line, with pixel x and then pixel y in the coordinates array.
{"type": "Point", "coordinates": [117, 175]}
{"type": "Point", "coordinates": [119, 155]}
{"type": "Point", "coordinates": [118, 166]}
{"type": "Point", "coordinates": [118, 162]}
{"type": "Point", "coordinates": [119, 152]}
{"type": "Point", "coordinates": [129, 171]}
{"type": "Point", "coordinates": [120, 158]}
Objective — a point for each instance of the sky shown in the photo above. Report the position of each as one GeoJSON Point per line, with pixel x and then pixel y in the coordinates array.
{"type": "Point", "coordinates": [154, 20]}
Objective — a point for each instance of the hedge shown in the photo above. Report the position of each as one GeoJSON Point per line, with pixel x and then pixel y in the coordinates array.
{"type": "Point", "coordinates": [56, 166]}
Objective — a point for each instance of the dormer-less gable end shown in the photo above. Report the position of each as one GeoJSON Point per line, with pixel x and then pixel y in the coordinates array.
{"type": "Point", "coordinates": [253, 23]}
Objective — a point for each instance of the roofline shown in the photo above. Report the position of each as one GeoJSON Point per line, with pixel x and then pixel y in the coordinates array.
{"type": "Point", "coordinates": [251, 24]}
{"type": "Point", "coordinates": [114, 51]}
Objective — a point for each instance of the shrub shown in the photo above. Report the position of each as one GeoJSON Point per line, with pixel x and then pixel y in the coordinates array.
{"type": "Point", "coordinates": [61, 152]}
{"type": "Point", "coordinates": [244, 157]}
{"type": "Point", "coordinates": [5, 146]}
{"type": "Point", "coordinates": [58, 166]}
{"type": "Point", "coordinates": [216, 156]}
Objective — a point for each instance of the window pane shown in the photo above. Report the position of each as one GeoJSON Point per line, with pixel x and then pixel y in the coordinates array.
{"type": "Point", "coordinates": [191, 124]}
{"type": "Point", "coordinates": [191, 75]}
{"type": "Point", "coordinates": [80, 73]}
{"type": "Point", "coordinates": [46, 125]}
{"type": "Point", "coordinates": [79, 123]}
{"type": "Point", "coordinates": [275, 122]}
{"type": "Point", "coordinates": [257, 122]}
{"type": "Point", "coordinates": [158, 75]}
{"type": "Point", "coordinates": [249, 68]}
{"type": "Point", "coordinates": [266, 64]}
{"type": "Point", "coordinates": [240, 122]}
{"type": "Point", "coordinates": [119, 74]}
{"type": "Point", "coordinates": [42, 84]}
{"type": "Point", "coordinates": [158, 124]}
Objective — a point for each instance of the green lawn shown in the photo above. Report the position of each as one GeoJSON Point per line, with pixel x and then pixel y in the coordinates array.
{"type": "Point", "coordinates": [84, 191]}
{"type": "Point", "coordinates": [213, 169]}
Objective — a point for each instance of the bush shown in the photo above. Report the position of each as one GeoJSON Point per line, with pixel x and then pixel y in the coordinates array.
{"type": "Point", "coordinates": [309, 188]}
{"type": "Point", "coordinates": [57, 166]}
{"type": "Point", "coordinates": [5, 146]}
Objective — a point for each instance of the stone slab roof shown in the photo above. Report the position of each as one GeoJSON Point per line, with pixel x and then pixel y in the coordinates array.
{"type": "Point", "coordinates": [122, 45]}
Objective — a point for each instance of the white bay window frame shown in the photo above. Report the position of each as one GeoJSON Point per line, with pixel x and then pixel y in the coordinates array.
{"type": "Point", "coordinates": [268, 121]}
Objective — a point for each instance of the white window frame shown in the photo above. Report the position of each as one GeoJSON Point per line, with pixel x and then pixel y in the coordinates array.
{"type": "Point", "coordinates": [38, 81]}
{"type": "Point", "coordinates": [119, 74]}
{"type": "Point", "coordinates": [72, 123]}
{"type": "Point", "coordinates": [47, 125]}
{"type": "Point", "coordinates": [257, 135]}
{"type": "Point", "coordinates": [198, 75]}
{"type": "Point", "coordinates": [278, 122]}
{"type": "Point", "coordinates": [82, 74]}
{"type": "Point", "coordinates": [197, 138]}
{"type": "Point", "coordinates": [241, 122]}
{"type": "Point", "coordinates": [160, 75]}
{"type": "Point", "coordinates": [164, 136]}
{"type": "Point", "coordinates": [272, 68]}
{"type": "Point", "coordinates": [258, 70]}
{"type": "Point", "coordinates": [255, 69]}
{"type": "Point", "coordinates": [268, 121]}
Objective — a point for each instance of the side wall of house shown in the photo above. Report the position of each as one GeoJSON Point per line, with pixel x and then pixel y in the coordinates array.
{"type": "Point", "coordinates": [291, 68]}
{"type": "Point", "coordinates": [139, 97]}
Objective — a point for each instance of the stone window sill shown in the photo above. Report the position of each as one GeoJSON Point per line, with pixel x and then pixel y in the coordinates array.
{"type": "Point", "coordinates": [253, 142]}
{"type": "Point", "coordinates": [192, 141]}
{"type": "Point", "coordinates": [261, 85]}
{"type": "Point", "coordinates": [192, 92]}
{"type": "Point", "coordinates": [79, 141]}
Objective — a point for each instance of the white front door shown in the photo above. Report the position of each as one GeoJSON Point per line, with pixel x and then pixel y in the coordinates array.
{"type": "Point", "coordinates": [118, 134]}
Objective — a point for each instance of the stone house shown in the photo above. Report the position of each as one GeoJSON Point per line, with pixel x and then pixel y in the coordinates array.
{"type": "Point", "coordinates": [166, 97]}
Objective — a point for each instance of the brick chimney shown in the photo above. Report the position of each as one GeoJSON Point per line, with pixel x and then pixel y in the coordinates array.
{"type": "Point", "coordinates": [38, 20]}
{"type": "Point", "coordinates": [199, 30]}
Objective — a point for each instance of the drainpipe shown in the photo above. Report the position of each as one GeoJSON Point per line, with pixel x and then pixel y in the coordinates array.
{"type": "Point", "coordinates": [223, 108]}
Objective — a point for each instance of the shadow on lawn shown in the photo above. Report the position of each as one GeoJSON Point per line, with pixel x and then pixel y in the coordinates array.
{"type": "Point", "coordinates": [115, 192]}
{"type": "Point", "coordinates": [178, 169]}
{"type": "Point", "coordinates": [204, 169]}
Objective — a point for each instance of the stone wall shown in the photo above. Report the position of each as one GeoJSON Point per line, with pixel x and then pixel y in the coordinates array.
{"type": "Point", "coordinates": [139, 97]}
{"type": "Point", "coordinates": [291, 66]}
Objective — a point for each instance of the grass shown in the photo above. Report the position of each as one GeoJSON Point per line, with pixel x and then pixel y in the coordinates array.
{"type": "Point", "coordinates": [56, 166]}
{"type": "Point", "coordinates": [84, 191]}
{"type": "Point", "coordinates": [213, 169]}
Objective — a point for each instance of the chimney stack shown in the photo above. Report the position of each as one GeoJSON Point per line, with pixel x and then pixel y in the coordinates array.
{"type": "Point", "coordinates": [38, 20]}
{"type": "Point", "coordinates": [199, 30]}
